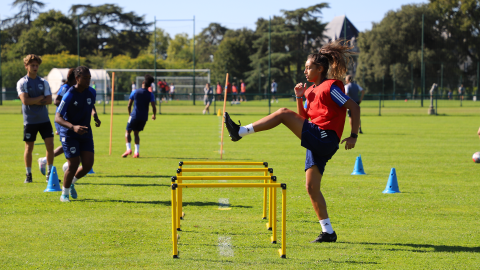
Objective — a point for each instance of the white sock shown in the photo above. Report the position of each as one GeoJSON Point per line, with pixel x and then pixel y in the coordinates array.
{"type": "Point", "coordinates": [137, 148]}
{"type": "Point", "coordinates": [326, 226]}
{"type": "Point", "coordinates": [29, 170]}
{"type": "Point", "coordinates": [49, 168]}
{"type": "Point", "coordinates": [129, 146]}
{"type": "Point", "coordinates": [65, 191]}
{"type": "Point", "coordinates": [75, 179]}
{"type": "Point", "coordinates": [245, 130]}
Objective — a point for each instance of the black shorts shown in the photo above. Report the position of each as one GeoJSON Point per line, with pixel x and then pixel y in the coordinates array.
{"type": "Point", "coordinates": [30, 131]}
{"type": "Point", "coordinates": [348, 111]}
{"type": "Point", "coordinates": [134, 124]}
{"type": "Point", "coordinates": [321, 145]}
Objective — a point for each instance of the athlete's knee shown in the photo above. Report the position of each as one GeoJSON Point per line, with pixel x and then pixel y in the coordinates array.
{"type": "Point", "coordinates": [284, 111]}
{"type": "Point", "coordinates": [29, 147]}
{"type": "Point", "coordinates": [49, 145]}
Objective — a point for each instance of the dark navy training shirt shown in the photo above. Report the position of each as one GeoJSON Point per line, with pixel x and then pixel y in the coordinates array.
{"type": "Point", "coordinates": [142, 98]}
{"type": "Point", "coordinates": [76, 108]}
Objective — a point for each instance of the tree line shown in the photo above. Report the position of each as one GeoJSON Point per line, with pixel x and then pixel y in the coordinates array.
{"type": "Point", "coordinates": [113, 38]}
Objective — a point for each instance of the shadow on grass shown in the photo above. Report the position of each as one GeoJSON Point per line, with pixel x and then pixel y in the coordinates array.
{"type": "Point", "coordinates": [126, 185]}
{"type": "Point", "coordinates": [205, 159]}
{"type": "Point", "coordinates": [436, 248]}
{"type": "Point", "coordinates": [167, 203]}
{"type": "Point", "coordinates": [133, 176]}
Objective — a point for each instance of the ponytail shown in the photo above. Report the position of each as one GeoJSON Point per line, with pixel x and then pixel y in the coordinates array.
{"type": "Point", "coordinates": [334, 57]}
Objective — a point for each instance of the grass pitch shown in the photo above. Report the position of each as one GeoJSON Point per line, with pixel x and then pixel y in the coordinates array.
{"type": "Point", "coordinates": [121, 219]}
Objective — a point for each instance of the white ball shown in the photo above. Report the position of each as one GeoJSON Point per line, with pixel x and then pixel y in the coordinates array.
{"type": "Point", "coordinates": [65, 166]}
{"type": "Point", "coordinates": [476, 157]}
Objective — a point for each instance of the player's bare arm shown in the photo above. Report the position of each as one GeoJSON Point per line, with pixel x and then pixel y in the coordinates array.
{"type": "Point", "coordinates": [45, 101]}
{"type": "Point", "coordinates": [57, 101]}
{"type": "Point", "coordinates": [64, 123]}
{"type": "Point", "coordinates": [355, 111]}
{"type": "Point", "coordinates": [154, 110]}
{"type": "Point", "coordinates": [27, 100]}
{"type": "Point", "coordinates": [130, 103]}
{"type": "Point", "coordinates": [299, 92]}
{"type": "Point", "coordinates": [95, 117]}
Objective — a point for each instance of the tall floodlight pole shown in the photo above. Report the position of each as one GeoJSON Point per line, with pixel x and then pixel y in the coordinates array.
{"type": "Point", "coordinates": [1, 82]}
{"type": "Point", "coordinates": [269, 59]}
{"type": "Point", "coordinates": [155, 54]}
{"type": "Point", "coordinates": [441, 80]}
{"type": "Point", "coordinates": [422, 66]}
{"type": "Point", "coordinates": [394, 66]}
{"type": "Point", "coordinates": [78, 40]}
{"type": "Point", "coordinates": [193, 40]}
{"type": "Point", "coordinates": [478, 78]}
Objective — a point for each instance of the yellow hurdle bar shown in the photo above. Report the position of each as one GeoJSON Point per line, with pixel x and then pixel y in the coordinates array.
{"type": "Point", "coordinates": [181, 178]}
{"type": "Point", "coordinates": [224, 169]}
{"type": "Point", "coordinates": [281, 251]}
{"type": "Point", "coordinates": [222, 163]}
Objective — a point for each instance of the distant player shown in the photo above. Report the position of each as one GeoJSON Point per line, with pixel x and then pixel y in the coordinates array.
{"type": "Point", "coordinates": [234, 92]}
{"type": "Point", "coordinates": [134, 86]}
{"type": "Point", "coordinates": [326, 106]}
{"type": "Point", "coordinates": [35, 94]}
{"type": "Point", "coordinates": [74, 115]}
{"type": "Point", "coordinates": [274, 90]}
{"type": "Point", "coordinates": [172, 91]}
{"type": "Point", "coordinates": [61, 92]}
{"type": "Point", "coordinates": [353, 90]}
{"type": "Point", "coordinates": [243, 90]}
{"type": "Point", "coordinates": [207, 98]}
{"type": "Point", "coordinates": [141, 99]}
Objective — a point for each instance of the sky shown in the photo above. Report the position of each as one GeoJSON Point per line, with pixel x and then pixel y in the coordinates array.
{"type": "Point", "coordinates": [232, 14]}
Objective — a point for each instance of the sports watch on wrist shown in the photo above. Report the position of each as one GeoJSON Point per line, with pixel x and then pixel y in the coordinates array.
{"type": "Point", "coordinates": [353, 135]}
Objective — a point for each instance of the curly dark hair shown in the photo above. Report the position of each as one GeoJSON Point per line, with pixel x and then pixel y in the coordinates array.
{"type": "Point", "coordinates": [148, 80]}
{"type": "Point", "coordinates": [334, 58]}
{"type": "Point", "coordinates": [81, 70]}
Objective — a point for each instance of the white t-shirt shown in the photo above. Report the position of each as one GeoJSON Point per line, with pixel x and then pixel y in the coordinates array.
{"type": "Point", "coordinates": [134, 87]}
{"type": "Point", "coordinates": [172, 89]}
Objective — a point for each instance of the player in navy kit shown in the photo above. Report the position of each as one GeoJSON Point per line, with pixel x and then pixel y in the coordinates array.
{"type": "Point", "coordinates": [139, 116]}
{"type": "Point", "coordinates": [74, 116]}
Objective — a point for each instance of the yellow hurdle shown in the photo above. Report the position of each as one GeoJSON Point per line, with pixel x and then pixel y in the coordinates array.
{"type": "Point", "coordinates": [266, 179]}
{"type": "Point", "coordinates": [175, 187]}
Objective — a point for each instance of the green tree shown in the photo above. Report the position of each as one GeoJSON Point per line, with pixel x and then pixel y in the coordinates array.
{"type": "Point", "coordinates": [180, 49]}
{"type": "Point", "coordinates": [393, 47]}
{"type": "Point", "coordinates": [162, 42]}
{"type": "Point", "coordinates": [208, 41]}
{"type": "Point", "coordinates": [28, 9]}
{"type": "Point", "coordinates": [107, 29]}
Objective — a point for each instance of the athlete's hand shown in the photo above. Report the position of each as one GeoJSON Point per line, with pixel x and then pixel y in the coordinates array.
{"type": "Point", "coordinates": [80, 129]}
{"type": "Point", "coordinates": [350, 143]}
{"type": "Point", "coordinates": [97, 122]}
{"type": "Point", "coordinates": [154, 117]}
{"type": "Point", "coordinates": [300, 89]}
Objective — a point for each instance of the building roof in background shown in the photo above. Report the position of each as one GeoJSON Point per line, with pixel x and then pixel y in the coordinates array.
{"type": "Point", "coordinates": [336, 29]}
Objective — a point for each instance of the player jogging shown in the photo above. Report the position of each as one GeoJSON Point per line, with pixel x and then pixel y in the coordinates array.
{"type": "Point", "coordinates": [139, 116]}
{"type": "Point", "coordinates": [35, 94]}
{"type": "Point", "coordinates": [274, 90]}
{"type": "Point", "coordinates": [242, 91]}
{"type": "Point", "coordinates": [74, 115]}
{"type": "Point", "coordinates": [61, 92]}
{"type": "Point", "coordinates": [326, 105]}
{"type": "Point", "coordinates": [353, 91]}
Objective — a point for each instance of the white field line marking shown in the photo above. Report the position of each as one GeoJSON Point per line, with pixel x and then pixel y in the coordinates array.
{"type": "Point", "coordinates": [225, 246]}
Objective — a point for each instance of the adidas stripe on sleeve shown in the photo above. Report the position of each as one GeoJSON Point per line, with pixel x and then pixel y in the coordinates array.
{"type": "Point", "coordinates": [338, 96]}
{"type": "Point", "coordinates": [62, 108]}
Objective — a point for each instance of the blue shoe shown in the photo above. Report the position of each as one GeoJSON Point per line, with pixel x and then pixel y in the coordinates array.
{"type": "Point", "coordinates": [73, 192]}
{"type": "Point", "coordinates": [64, 198]}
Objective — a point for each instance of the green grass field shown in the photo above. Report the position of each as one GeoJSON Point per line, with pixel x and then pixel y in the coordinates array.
{"type": "Point", "coordinates": [122, 218]}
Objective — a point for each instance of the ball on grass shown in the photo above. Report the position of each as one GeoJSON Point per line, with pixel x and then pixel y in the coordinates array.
{"type": "Point", "coordinates": [476, 157]}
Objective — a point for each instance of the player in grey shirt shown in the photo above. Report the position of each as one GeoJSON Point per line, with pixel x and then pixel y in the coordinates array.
{"type": "Point", "coordinates": [355, 92]}
{"type": "Point", "coordinates": [35, 94]}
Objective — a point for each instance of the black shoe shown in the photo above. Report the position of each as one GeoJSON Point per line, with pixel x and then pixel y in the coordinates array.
{"type": "Point", "coordinates": [48, 176]}
{"type": "Point", "coordinates": [326, 237]}
{"type": "Point", "coordinates": [360, 131]}
{"type": "Point", "coordinates": [29, 178]}
{"type": "Point", "coordinates": [232, 128]}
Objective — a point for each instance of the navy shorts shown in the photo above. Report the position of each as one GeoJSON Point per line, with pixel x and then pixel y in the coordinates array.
{"type": "Point", "coordinates": [30, 131]}
{"type": "Point", "coordinates": [134, 124]}
{"type": "Point", "coordinates": [57, 127]}
{"type": "Point", "coordinates": [321, 145]}
{"type": "Point", "coordinates": [73, 146]}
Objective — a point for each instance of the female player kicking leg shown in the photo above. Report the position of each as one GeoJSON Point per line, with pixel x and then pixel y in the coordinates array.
{"type": "Point", "coordinates": [74, 115]}
{"type": "Point", "coordinates": [326, 106]}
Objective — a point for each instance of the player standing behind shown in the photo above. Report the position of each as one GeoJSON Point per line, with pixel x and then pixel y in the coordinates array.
{"type": "Point", "coordinates": [172, 91]}
{"type": "Point", "coordinates": [74, 115]}
{"type": "Point", "coordinates": [326, 107]}
{"type": "Point", "coordinates": [42, 162]}
{"type": "Point", "coordinates": [242, 91]}
{"type": "Point", "coordinates": [138, 118]}
{"type": "Point", "coordinates": [207, 98]}
{"type": "Point", "coordinates": [274, 90]}
{"type": "Point", "coordinates": [234, 92]}
{"type": "Point", "coordinates": [35, 94]}
{"type": "Point", "coordinates": [352, 90]}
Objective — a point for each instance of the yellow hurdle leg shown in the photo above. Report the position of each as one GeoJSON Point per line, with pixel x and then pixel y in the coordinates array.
{"type": "Point", "coordinates": [269, 223]}
{"type": "Point", "coordinates": [274, 217]}
{"type": "Point", "coordinates": [179, 205]}
{"type": "Point", "coordinates": [283, 250]}
{"type": "Point", "coordinates": [174, 219]}
{"type": "Point", "coordinates": [264, 216]}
